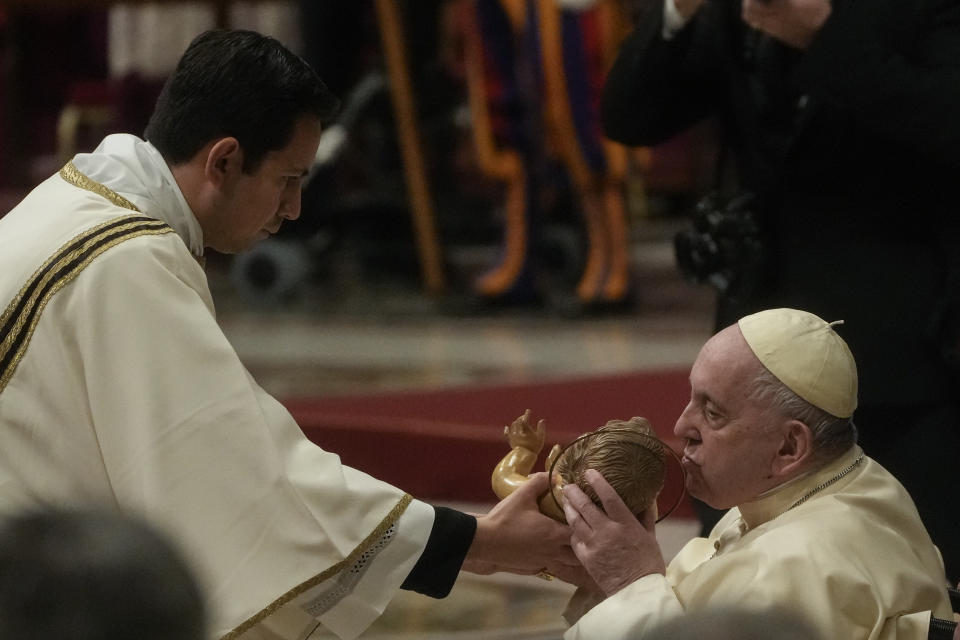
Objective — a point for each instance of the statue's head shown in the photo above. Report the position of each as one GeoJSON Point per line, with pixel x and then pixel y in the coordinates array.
{"type": "Point", "coordinates": [629, 456]}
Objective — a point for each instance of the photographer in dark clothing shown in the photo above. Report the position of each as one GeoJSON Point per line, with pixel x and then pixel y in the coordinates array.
{"type": "Point", "coordinates": [841, 118]}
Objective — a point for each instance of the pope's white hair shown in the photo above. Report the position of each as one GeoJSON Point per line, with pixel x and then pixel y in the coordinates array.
{"type": "Point", "coordinates": [832, 436]}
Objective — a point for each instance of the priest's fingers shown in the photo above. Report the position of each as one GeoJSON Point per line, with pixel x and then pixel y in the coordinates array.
{"type": "Point", "coordinates": [487, 568]}
{"type": "Point", "coordinates": [536, 485]}
{"type": "Point", "coordinates": [515, 534]}
{"type": "Point", "coordinates": [612, 503]}
{"type": "Point", "coordinates": [575, 574]}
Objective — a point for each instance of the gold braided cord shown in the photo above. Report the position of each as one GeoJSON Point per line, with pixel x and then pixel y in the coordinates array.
{"type": "Point", "coordinates": [820, 487]}
{"type": "Point", "coordinates": [72, 175]}
{"type": "Point", "coordinates": [50, 270]}
{"type": "Point", "coordinates": [817, 489]}
{"type": "Point", "coordinates": [349, 561]}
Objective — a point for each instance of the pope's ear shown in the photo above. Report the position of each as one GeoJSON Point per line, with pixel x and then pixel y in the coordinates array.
{"type": "Point", "coordinates": [795, 449]}
{"type": "Point", "coordinates": [224, 158]}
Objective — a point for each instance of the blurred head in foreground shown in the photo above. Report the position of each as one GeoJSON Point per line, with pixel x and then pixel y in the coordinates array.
{"type": "Point", "coordinates": [79, 575]}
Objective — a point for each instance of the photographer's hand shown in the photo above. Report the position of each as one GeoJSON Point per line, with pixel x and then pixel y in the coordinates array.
{"type": "Point", "coordinates": [794, 22]}
{"type": "Point", "coordinates": [686, 8]}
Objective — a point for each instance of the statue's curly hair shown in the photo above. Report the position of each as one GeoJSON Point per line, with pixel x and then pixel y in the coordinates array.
{"type": "Point", "coordinates": [629, 456]}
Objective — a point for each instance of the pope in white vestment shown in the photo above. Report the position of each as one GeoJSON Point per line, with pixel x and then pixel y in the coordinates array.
{"type": "Point", "coordinates": [94, 260]}
{"type": "Point", "coordinates": [854, 560]}
{"type": "Point", "coordinates": [816, 527]}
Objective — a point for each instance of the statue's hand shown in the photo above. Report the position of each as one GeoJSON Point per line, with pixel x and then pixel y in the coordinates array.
{"type": "Point", "coordinates": [521, 434]}
{"type": "Point", "coordinates": [554, 452]}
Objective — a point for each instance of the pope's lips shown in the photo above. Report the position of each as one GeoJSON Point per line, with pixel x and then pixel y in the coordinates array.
{"type": "Point", "coordinates": [688, 461]}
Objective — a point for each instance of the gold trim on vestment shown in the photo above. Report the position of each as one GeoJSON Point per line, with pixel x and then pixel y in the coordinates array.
{"type": "Point", "coordinates": [48, 280]}
{"type": "Point", "coordinates": [72, 175]}
{"type": "Point", "coordinates": [350, 560]}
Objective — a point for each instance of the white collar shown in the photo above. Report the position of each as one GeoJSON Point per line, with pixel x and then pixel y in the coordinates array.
{"type": "Point", "coordinates": [135, 169]}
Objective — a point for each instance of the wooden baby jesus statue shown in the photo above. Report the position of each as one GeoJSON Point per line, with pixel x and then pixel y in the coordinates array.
{"type": "Point", "coordinates": [626, 452]}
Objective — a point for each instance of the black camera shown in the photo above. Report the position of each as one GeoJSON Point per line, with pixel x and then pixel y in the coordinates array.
{"type": "Point", "coordinates": [725, 247]}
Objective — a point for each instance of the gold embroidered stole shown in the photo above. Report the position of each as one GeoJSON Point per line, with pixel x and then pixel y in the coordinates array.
{"type": "Point", "coordinates": [20, 317]}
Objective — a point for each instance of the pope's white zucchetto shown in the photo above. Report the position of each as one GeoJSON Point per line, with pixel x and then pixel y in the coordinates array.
{"type": "Point", "coordinates": [807, 355]}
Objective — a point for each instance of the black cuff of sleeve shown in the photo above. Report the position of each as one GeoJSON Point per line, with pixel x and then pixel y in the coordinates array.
{"type": "Point", "coordinates": [440, 562]}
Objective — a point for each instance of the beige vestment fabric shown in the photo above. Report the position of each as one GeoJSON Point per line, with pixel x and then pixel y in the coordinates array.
{"type": "Point", "coordinates": [854, 560]}
{"type": "Point", "coordinates": [117, 387]}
